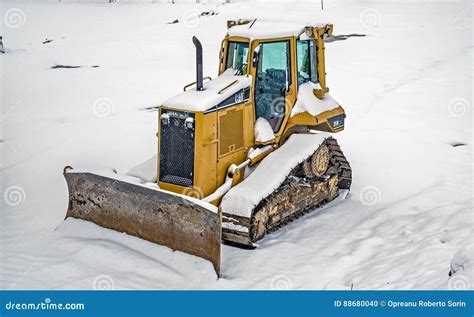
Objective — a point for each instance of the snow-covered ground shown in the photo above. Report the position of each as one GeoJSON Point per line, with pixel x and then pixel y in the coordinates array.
{"type": "Point", "coordinates": [406, 87]}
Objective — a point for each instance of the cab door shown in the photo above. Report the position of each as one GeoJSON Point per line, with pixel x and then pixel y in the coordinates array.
{"type": "Point", "coordinates": [273, 82]}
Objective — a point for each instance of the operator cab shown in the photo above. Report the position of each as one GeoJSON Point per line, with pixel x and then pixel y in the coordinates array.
{"type": "Point", "coordinates": [281, 58]}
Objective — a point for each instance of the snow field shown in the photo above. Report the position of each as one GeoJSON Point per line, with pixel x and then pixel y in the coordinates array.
{"type": "Point", "coordinates": [406, 88]}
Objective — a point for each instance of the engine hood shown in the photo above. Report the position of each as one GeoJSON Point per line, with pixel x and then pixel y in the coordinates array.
{"type": "Point", "coordinates": [224, 90]}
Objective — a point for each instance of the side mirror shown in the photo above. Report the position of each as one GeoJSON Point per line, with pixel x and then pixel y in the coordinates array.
{"type": "Point", "coordinates": [256, 56]}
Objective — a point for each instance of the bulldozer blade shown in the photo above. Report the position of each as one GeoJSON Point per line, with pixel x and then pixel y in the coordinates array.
{"type": "Point", "coordinates": [151, 214]}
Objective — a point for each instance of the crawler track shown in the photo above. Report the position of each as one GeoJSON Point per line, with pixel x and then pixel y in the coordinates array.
{"type": "Point", "coordinates": [300, 193]}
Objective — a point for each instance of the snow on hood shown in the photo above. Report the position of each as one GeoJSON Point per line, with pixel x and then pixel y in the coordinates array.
{"type": "Point", "coordinates": [307, 101]}
{"type": "Point", "coordinates": [198, 101]}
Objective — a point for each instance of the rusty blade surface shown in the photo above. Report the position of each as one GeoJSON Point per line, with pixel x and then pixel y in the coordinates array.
{"type": "Point", "coordinates": [153, 215]}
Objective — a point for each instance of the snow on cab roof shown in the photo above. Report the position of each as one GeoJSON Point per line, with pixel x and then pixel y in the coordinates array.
{"type": "Point", "coordinates": [215, 91]}
{"type": "Point", "coordinates": [267, 29]}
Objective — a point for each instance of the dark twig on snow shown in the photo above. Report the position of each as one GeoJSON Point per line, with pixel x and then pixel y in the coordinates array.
{"type": "Point", "coordinates": [341, 37]}
{"type": "Point", "coordinates": [64, 66]}
{"type": "Point", "coordinates": [2, 49]}
{"type": "Point", "coordinates": [202, 14]}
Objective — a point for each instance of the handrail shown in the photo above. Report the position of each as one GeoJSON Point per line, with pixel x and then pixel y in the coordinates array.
{"type": "Point", "coordinates": [194, 83]}
{"type": "Point", "coordinates": [228, 86]}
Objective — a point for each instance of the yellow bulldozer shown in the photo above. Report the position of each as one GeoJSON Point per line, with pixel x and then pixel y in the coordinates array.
{"type": "Point", "coordinates": [240, 155]}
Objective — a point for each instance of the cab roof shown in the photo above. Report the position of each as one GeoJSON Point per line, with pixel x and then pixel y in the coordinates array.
{"type": "Point", "coordinates": [258, 29]}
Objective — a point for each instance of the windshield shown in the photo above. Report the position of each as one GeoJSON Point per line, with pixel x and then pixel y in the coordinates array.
{"type": "Point", "coordinates": [237, 53]}
{"type": "Point", "coordinates": [307, 62]}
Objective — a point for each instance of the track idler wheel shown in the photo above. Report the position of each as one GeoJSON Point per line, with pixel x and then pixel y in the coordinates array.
{"type": "Point", "coordinates": [318, 163]}
{"type": "Point", "coordinates": [258, 226]}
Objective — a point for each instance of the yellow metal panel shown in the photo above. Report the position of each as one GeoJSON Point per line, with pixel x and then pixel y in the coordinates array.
{"type": "Point", "coordinates": [231, 134]}
{"type": "Point", "coordinates": [175, 188]}
{"type": "Point", "coordinates": [319, 36]}
{"type": "Point", "coordinates": [206, 152]}
{"type": "Point", "coordinates": [303, 118]}
{"type": "Point", "coordinates": [222, 56]}
{"type": "Point", "coordinates": [249, 123]}
{"type": "Point", "coordinates": [324, 116]}
{"type": "Point", "coordinates": [234, 125]}
{"type": "Point", "coordinates": [237, 39]}
{"type": "Point", "coordinates": [223, 163]}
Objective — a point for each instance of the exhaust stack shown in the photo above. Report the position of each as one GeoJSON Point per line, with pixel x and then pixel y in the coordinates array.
{"type": "Point", "coordinates": [199, 84]}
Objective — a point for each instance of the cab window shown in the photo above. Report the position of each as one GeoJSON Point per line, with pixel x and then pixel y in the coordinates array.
{"type": "Point", "coordinates": [237, 53]}
{"type": "Point", "coordinates": [307, 61]}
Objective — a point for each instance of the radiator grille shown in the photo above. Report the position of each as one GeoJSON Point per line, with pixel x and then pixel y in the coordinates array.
{"type": "Point", "coordinates": [176, 148]}
{"type": "Point", "coordinates": [231, 135]}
